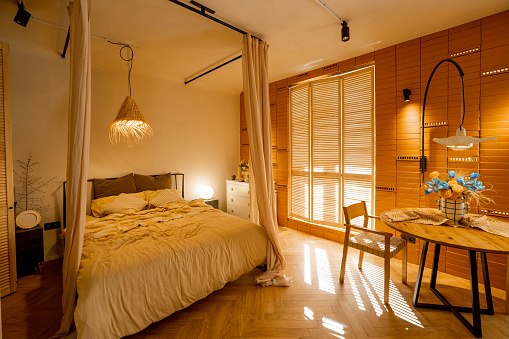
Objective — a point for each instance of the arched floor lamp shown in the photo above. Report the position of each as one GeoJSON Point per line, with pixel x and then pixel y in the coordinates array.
{"type": "Point", "coordinates": [460, 141]}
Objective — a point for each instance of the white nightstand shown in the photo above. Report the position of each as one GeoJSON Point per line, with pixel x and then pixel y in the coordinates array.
{"type": "Point", "coordinates": [237, 198]}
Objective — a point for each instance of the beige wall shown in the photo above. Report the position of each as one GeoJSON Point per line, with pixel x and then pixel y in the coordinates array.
{"type": "Point", "coordinates": [195, 130]}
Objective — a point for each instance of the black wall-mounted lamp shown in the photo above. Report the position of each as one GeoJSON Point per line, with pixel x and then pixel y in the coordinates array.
{"type": "Point", "coordinates": [345, 31]}
{"type": "Point", "coordinates": [406, 94]}
{"type": "Point", "coordinates": [22, 16]}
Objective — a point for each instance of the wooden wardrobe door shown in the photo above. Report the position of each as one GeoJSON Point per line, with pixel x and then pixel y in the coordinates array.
{"type": "Point", "coordinates": [7, 230]}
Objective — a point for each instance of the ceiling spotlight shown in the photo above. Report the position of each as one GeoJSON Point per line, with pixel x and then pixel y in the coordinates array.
{"type": "Point", "coordinates": [406, 94]}
{"type": "Point", "coordinates": [345, 31]}
{"type": "Point", "coordinates": [22, 16]}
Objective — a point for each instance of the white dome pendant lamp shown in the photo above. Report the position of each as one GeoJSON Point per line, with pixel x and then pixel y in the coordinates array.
{"type": "Point", "coordinates": [460, 141]}
{"type": "Point", "coordinates": [129, 125]}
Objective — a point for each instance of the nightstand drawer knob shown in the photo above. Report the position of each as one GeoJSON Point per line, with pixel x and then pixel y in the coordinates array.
{"type": "Point", "coordinates": [11, 207]}
{"type": "Point", "coordinates": [231, 200]}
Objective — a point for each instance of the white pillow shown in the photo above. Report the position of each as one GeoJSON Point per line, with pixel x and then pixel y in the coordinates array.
{"type": "Point", "coordinates": [165, 197]}
{"type": "Point", "coordinates": [125, 203]}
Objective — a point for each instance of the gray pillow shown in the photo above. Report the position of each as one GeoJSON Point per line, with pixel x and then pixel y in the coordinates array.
{"type": "Point", "coordinates": [108, 187]}
{"type": "Point", "coordinates": [150, 183]}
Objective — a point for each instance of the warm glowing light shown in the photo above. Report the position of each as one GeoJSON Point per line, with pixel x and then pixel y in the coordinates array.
{"type": "Point", "coordinates": [325, 282]}
{"type": "Point", "coordinates": [460, 141]}
{"type": "Point", "coordinates": [333, 325]}
{"type": "Point", "coordinates": [129, 125]}
{"type": "Point", "coordinates": [307, 265]}
{"type": "Point", "coordinates": [309, 314]}
{"type": "Point", "coordinates": [206, 192]}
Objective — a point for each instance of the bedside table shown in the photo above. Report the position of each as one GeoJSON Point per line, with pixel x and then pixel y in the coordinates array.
{"type": "Point", "coordinates": [29, 250]}
{"type": "Point", "coordinates": [212, 202]}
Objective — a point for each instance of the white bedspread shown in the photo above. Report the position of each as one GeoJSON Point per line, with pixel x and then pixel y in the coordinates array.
{"type": "Point", "coordinates": [141, 267]}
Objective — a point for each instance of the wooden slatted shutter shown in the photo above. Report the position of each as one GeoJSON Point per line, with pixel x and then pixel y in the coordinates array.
{"type": "Point", "coordinates": [299, 150]}
{"type": "Point", "coordinates": [358, 137]}
{"type": "Point", "coordinates": [331, 146]}
{"type": "Point", "coordinates": [7, 231]}
{"type": "Point", "coordinates": [325, 151]}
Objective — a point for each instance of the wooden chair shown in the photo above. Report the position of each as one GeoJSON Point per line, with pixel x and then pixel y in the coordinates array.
{"type": "Point", "coordinates": [379, 243]}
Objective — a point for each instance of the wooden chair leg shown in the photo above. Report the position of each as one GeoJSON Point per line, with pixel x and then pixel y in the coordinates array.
{"type": "Point", "coordinates": [345, 253]}
{"type": "Point", "coordinates": [361, 257]}
{"type": "Point", "coordinates": [404, 264]}
{"type": "Point", "coordinates": [387, 269]}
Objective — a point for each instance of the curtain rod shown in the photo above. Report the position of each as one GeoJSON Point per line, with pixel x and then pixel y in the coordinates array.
{"type": "Point", "coordinates": [202, 13]}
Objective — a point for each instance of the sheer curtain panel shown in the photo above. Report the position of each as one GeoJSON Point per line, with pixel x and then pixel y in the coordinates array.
{"type": "Point", "coordinates": [257, 106]}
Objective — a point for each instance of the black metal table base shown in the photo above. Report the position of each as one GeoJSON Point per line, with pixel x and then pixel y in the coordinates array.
{"type": "Point", "coordinates": [476, 310]}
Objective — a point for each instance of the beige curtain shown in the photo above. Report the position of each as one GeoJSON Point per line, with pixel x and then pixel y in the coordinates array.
{"type": "Point", "coordinates": [256, 98]}
{"type": "Point", "coordinates": [77, 154]}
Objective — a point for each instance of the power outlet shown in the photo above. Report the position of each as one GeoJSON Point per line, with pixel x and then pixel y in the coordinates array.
{"type": "Point", "coordinates": [51, 225]}
{"type": "Point", "coordinates": [411, 239]}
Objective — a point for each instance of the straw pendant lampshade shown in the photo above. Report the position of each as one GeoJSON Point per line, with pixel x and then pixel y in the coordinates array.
{"type": "Point", "coordinates": [129, 125]}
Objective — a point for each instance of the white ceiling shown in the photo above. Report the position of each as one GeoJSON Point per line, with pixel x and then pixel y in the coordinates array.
{"type": "Point", "coordinates": [172, 42]}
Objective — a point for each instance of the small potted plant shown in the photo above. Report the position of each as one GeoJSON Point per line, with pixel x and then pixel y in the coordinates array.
{"type": "Point", "coordinates": [454, 191]}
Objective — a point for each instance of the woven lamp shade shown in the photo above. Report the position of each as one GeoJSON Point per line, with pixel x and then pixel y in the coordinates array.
{"type": "Point", "coordinates": [129, 125]}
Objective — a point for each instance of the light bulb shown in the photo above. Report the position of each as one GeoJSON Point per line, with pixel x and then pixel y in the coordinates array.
{"type": "Point", "coordinates": [206, 192]}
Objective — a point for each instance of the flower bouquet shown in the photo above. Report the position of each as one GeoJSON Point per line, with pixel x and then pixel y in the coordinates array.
{"type": "Point", "coordinates": [453, 192]}
{"type": "Point", "coordinates": [244, 169]}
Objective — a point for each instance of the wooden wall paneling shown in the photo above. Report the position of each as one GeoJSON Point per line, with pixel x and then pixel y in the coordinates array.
{"type": "Point", "coordinates": [465, 36]}
{"type": "Point", "coordinates": [495, 30]}
{"type": "Point", "coordinates": [316, 73]}
{"type": "Point", "coordinates": [282, 117]}
{"type": "Point", "coordinates": [457, 262]}
{"type": "Point", "coordinates": [346, 64]}
{"type": "Point", "coordinates": [282, 206]}
{"type": "Point", "coordinates": [362, 59]}
{"type": "Point", "coordinates": [330, 68]}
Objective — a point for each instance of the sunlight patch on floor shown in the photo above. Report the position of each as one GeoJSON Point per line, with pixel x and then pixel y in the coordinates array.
{"type": "Point", "coordinates": [307, 265]}
{"type": "Point", "coordinates": [325, 282]}
{"type": "Point", "coordinates": [372, 276]}
{"type": "Point", "coordinates": [333, 326]}
{"type": "Point", "coordinates": [355, 291]}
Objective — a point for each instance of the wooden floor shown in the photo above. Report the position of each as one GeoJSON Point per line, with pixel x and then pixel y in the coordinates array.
{"type": "Point", "coordinates": [315, 306]}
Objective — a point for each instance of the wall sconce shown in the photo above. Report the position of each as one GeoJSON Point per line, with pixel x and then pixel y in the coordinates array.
{"type": "Point", "coordinates": [22, 16]}
{"type": "Point", "coordinates": [406, 94]}
{"type": "Point", "coordinates": [206, 192]}
{"type": "Point", "coordinates": [460, 141]}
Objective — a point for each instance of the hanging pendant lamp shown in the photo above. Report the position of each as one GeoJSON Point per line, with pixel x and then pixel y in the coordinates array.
{"type": "Point", "coordinates": [129, 125]}
{"type": "Point", "coordinates": [460, 141]}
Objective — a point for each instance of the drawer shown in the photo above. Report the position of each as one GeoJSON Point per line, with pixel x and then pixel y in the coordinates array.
{"type": "Point", "coordinates": [235, 200]}
{"type": "Point", "coordinates": [238, 189]}
{"type": "Point", "coordinates": [239, 212]}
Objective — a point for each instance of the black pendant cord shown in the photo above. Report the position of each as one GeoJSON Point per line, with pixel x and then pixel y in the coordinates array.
{"type": "Point", "coordinates": [423, 160]}
{"type": "Point", "coordinates": [129, 60]}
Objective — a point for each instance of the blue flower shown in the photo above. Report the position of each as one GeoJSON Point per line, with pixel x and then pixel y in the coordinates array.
{"type": "Point", "coordinates": [460, 180]}
{"type": "Point", "coordinates": [428, 191]}
{"type": "Point", "coordinates": [474, 175]}
{"type": "Point", "coordinates": [435, 189]}
{"type": "Point", "coordinates": [451, 174]}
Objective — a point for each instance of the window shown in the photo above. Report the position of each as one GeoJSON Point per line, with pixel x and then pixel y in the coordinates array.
{"type": "Point", "coordinates": [331, 146]}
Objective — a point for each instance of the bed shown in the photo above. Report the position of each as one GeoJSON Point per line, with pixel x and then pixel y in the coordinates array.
{"type": "Point", "coordinates": [139, 267]}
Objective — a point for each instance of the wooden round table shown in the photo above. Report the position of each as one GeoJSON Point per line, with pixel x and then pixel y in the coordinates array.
{"type": "Point", "coordinates": [471, 239]}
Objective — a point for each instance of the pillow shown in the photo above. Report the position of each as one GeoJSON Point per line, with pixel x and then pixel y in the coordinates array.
{"type": "Point", "coordinates": [150, 183]}
{"type": "Point", "coordinates": [149, 195]}
{"type": "Point", "coordinates": [109, 187]}
{"type": "Point", "coordinates": [98, 205]}
{"type": "Point", "coordinates": [165, 197]}
{"type": "Point", "coordinates": [125, 203]}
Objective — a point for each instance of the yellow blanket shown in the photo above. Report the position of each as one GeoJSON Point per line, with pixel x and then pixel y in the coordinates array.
{"type": "Point", "coordinates": [139, 268]}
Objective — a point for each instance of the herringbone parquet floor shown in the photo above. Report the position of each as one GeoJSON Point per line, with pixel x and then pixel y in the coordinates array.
{"type": "Point", "coordinates": [315, 306]}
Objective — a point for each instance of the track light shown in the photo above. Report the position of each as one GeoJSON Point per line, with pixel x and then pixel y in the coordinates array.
{"type": "Point", "coordinates": [406, 94]}
{"type": "Point", "coordinates": [22, 16]}
{"type": "Point", "coordinates": [345, 31]}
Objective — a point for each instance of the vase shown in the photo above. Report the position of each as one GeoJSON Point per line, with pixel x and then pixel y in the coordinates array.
{"type": "Point", "coordinates": [245, 174]}
{"type": "Point", "coordinates": [452, 209]}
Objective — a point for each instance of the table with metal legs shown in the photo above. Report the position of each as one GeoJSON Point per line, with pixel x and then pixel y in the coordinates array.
{"type": "Point", "coordinates": [473, 241]}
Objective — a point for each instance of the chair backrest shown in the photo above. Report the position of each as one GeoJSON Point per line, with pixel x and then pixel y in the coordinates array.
{"type": "Point", "coordinates": [356, 210]}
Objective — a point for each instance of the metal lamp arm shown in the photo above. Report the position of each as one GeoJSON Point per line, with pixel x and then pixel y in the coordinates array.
{"type": "Point", "coordinates": [423, 160]}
